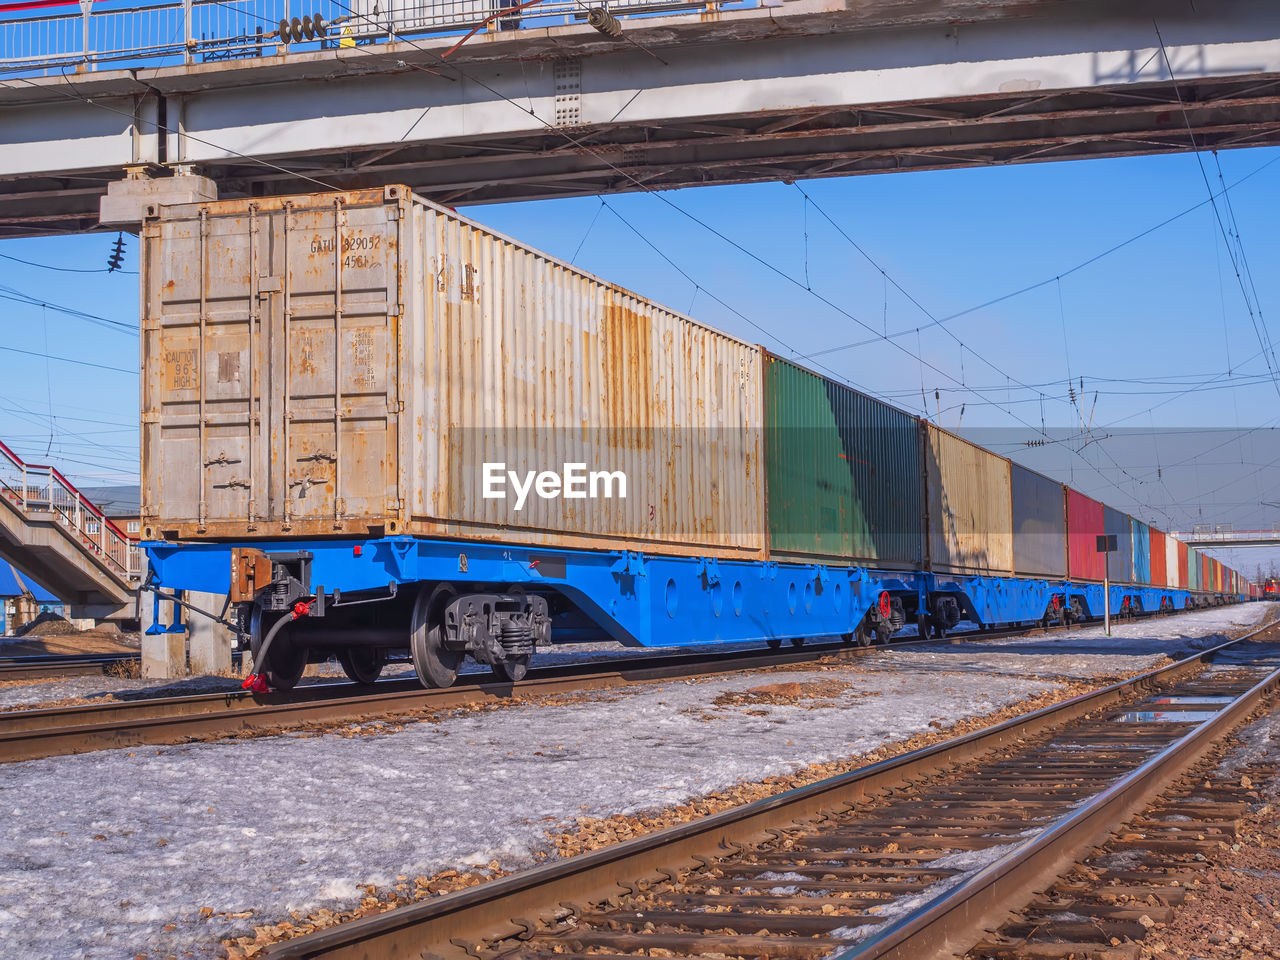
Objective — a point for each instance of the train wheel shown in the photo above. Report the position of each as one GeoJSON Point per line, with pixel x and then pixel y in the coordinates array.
{"type": "Point", "coordinates": [865, 635]}
{"type": "Point", "coordinates": [361, 664]}
{"type": "Point", "coordinates": [285, 661]}
{"type": "Point", "coordinates": [797, 642]}
{"type": "Point", "coordinates": [436, 664]}
{"type": "Point", "coordinates": [512, 669]}
{"type": "Point", "coordinates": [775, 643]}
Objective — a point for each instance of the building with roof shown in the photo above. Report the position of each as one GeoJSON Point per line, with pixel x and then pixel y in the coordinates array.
{"type": "Point", "coordinates": [22, 599]}
{"type": "Point", "coordinates": [121, 504]}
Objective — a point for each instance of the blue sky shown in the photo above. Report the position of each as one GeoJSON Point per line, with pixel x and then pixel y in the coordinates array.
{"type": "Point", "coordinates": [1140, 325]}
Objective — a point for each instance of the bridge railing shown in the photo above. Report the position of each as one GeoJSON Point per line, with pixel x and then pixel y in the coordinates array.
{"type": "Point", "coordinates": [63, 35]}
{"type": "Point", "coordinates": [39, 489]}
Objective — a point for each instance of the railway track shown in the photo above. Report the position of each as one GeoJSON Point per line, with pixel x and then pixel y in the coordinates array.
{"type": "Point", "coordinates": [914, 857]}
{"type": "Point", "coordinates": [1110, 903]}
{"type": "Point", "coordinates": [57, 666]}
{"type": "Point", "coordinates": [32, 734]}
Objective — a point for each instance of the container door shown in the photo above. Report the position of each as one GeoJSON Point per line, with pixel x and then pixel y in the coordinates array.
{"type": "Point", "coordinates": [199, 376]}
{"type": "Point", "coordinates": [333, 359]}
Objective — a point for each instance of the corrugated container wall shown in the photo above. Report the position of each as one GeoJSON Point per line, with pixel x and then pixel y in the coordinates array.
{"type": "Point", "coordinates": [1039, 524]}
{"type": "Point", "coordinates": [1120, 526]}
{"type": "Point", "coordinates": [1172, 552]}
{"type": "Point", "coordinates": [347, 363]}
{"type": "Point", "coordinates": [1141, 552]}
{"type": "Point", "coordinates": [968, 516]}
{"type": "Point", "coordinates": [1184, 575]}
{"type": "Point", "coordinates": [1158, 550]}
{"type": "Point", "coordinates": [1084, 524]}
{"type": "Point", "coordinates": [843, 471]}
{"type": "Point", "coordinates": [1193, 568]}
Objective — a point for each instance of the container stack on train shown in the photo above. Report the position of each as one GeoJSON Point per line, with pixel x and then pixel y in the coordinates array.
{"type": "Point", "coordinates": [325, 376]}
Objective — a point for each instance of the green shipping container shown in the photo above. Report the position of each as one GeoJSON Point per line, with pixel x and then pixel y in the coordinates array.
{"type": "Point", "coordinates": [843, 472]}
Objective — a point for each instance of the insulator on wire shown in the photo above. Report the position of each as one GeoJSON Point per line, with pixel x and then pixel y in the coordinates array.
{"type": "Point", "coordinates": [116, 260]}
{"type": "Point", "coordinates": [302, 28]}
{"type": "Point", "coordinates": [605, 22]}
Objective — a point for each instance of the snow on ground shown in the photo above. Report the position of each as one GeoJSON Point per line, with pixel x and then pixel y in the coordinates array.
{"type": "Point", "coordinates": [1089, 651]}
{"type": "Point", "coordinates": [116, 845]}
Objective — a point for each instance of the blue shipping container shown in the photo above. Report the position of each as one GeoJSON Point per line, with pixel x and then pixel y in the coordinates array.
{"type": "Point", "coordinates": [1141, 552]}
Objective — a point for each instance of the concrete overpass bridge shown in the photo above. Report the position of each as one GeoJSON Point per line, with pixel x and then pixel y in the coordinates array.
{"type": "Point", "coordinates": [50, 532]}
{"type": "Point", "coordinates": [1228, 537]}
{"type": "Point", "coordinates": [539, 104]}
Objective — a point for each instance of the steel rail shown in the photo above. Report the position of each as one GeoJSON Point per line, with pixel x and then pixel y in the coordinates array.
{"type": "Point", "coordinates": [952, 923]}
{"type": "Point", "coordinates": [53, 665]}
{"type": "Point", "coordinates": [454, 925]}
{"type": "Point", "coordinates": [30, 734]}
{"type": "Point", "coordinates": [58, 731]}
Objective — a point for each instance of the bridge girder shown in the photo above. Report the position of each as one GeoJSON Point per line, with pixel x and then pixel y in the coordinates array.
{"type": "Point", "coordinates": [813, 88]}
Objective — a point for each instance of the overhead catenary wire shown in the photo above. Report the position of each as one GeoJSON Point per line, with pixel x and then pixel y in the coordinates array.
{"type": "Point", "coordinates": [61, 269]}
{"type": "Point", "coordinates": [17, 296]}
{"type": "Point", "coordinates": [1258, 320]}
{"type": "Point", "coordinates": [698, 286]}
{"type": "Point", "coordinates": [640, 185]}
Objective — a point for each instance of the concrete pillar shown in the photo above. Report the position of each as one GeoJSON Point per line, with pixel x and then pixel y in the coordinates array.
{"type": "Point", "coordinates": [210, 641]}
{"type": "Point", "coordinates": [164, 655]}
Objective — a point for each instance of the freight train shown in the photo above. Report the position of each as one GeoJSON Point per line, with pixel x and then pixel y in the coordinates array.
{"type": "Point", "coordinates": [381, 430]}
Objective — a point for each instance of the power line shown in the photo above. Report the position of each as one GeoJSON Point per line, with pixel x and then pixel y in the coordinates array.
{"type": "Point", "coordinates": [1028, 288]}
{"type": "Point", "coordinates": [17, 296]}
{"type": "Point", "coordinates": [83, 363]}
{"type": "Point", "coordinates": [645, 188]}
{"type": "Point", "coordinates": [1264, 336]}
{"type": "Point", "coordinates": [49, 266]}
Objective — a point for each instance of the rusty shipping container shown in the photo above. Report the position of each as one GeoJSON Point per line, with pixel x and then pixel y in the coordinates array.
{"type": "Point", "coordinates": [968, 510]}
{"type": "Point", "coordinates": [1184, 576]}
{"type": "Point", "coordinates": [1159, 552]}
{"type": "Point", "coordinates": [1039, 524]}
{"type": "Point", "coordinates": [1084, 524]}
{"type": "Point", "coordinates": [361, 363]}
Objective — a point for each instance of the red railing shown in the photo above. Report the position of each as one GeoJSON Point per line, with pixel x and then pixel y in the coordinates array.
{"type": "Point", "coordinates": [40, 489]}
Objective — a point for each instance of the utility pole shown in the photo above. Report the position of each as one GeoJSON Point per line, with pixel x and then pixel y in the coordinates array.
{"type": "Point", "coordinates": [1107, 544]}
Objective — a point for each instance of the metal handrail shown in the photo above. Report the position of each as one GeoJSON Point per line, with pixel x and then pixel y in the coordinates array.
{"type": "Point", "coordinates": [39, 488]}
{"type": "Point", "coordinates": [200, 31]}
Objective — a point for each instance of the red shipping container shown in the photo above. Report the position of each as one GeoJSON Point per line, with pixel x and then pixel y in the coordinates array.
{"type": "Point", "coordinates": [1182, 565]}
{"type": "Point", "coordinates": [1084, 526]}
{"type": "Point", "coordinates": [1159, 566]}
